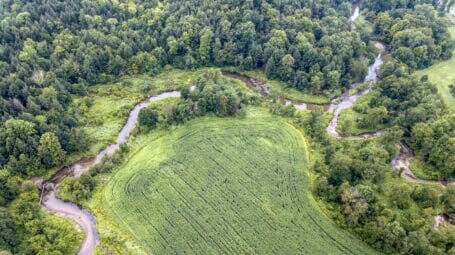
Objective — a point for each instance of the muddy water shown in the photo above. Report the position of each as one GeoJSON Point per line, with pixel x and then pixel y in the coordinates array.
{"type": "Point", "coordinates": [402, 163]}
{"type": "Point", "coordinates": [300, 105]}
{"type": "Point", "coordinates": [373, 70]}
{"type": "Point", "coordinates": [355, 15]}
{"type": "Point", "coordinates": [249, 81]}
{"type": "Point", "coordinates": [81, 216]}
{"type": "Point", "coordinates": [336, 108]}
{"type": "Point", "coordinates": [346, 100]}
{"type": "Point", "coordinates": [265, 90]}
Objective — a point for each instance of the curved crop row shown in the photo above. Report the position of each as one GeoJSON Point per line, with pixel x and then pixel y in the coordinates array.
{"type": "Point", "coordinates": [225, 186]}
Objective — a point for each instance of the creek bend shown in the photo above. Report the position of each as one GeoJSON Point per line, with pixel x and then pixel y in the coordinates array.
{"type": "Point", "coordinates": [81, 216]}
{"type": "Point", "coordinates": [400, 163]}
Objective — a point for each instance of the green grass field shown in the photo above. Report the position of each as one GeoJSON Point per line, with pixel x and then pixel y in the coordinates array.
{"type": "Point", "coordinates": [224, 186]}
{"type": "Point", "coordinates": [442, 75]}
{"type": "Point", "coordinates": [111, 103]}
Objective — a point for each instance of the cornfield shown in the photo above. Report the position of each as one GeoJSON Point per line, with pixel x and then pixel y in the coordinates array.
{"type": "Point", "coordinates": [225, 186]}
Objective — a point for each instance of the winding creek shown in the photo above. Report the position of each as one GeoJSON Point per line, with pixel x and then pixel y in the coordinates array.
{"type": "Point", "coordinates": [355, 14]}
{"type": "Point", "coordinates": [81, 216]}
{"type": "Point", "coordinates": [87, 221]}
{"type": "Point", "coordinates": [347, 100]}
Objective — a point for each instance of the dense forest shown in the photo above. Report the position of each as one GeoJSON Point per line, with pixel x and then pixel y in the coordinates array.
{"type": "Point", "coordinates": [52, 50]}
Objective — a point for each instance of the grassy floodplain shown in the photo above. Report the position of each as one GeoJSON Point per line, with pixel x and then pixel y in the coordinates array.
{"type": "Point", "coordinates": [225, 185]}
{"type": "Point", "coordinates": [105, 109]}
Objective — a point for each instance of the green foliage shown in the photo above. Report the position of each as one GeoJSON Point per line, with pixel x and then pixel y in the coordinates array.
{"type": "Point", "coordinates": [452, 89]}
{"type": "Point", "coordinates": [314, 123]}
{"type": "Point", "coordinates": [413, 104]}
{"type": "Point", "coordinates": [407, 99]}
{"type": "Point", "coordinates": [362, 162]}
{"type": "Point", "coordinates": [416, 34]}
{"type": "Point", "coordinates": [283, 110]}
{"type": "Point", "coordinates": [435, 143]}
{"type": "Point", "coordinates": [103, 111]}
{"type": "Point", "coordinates": [213, 93]}
{"type": "Point", "coordinates": [77, 189]}
{"type": "Point", "coordinates": [40, 233]}
{"type": "Point", "coordinates": [46, 54]}
{"type": "Point", "coordinates": [355, 179]}
{"type": "Point", "coordinates": [374, 117]}
{"type": "Point", "coordinates": [9, 187]}
{"type": "Point", "coordinates": [20, 138]}
{"type": "Point", "coordinates": [426, 196]}
{"type": "Point", "coordinates": [400, 196]}
{"type": "Point", "coordinates": [49, 150]}
{"type": "Point", "coordinates": [448, 199]}
{"type": "Point", "coordinates": [442, 76]}
{"type": "Point", "coordinates": [108, 41]}
{"type": "Point", "coordinates": [7, 231]}
{"type": "Point", "coordinates": [148, 118]}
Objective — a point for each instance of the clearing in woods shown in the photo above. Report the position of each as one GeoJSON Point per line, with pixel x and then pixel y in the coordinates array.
{"type": "Point", "coordinates": [442, 75]}
{"type": "Point", "coordinates": [225, 186]}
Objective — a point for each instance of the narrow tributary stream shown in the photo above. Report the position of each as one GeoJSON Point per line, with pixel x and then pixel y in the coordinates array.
{"type": "Point", "coordinates": [81, 216]}
{"type": "Point", "coordinates": [355, 14]}
{"type": "Point", "coordinates": [347, 100]}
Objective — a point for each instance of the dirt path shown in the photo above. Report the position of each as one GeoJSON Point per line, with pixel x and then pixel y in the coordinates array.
{"type": "Point", "coordinates": [81, 216]}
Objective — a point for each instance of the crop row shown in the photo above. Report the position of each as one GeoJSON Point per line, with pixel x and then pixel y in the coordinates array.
{"type": "Point", "coordinates": [223, 188]}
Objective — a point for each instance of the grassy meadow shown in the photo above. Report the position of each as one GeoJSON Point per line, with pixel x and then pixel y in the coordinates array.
{"type": "Point", "coordinates": [223, 185]}
{"type": "Point", "coordinates": [106, 107]}
{"type": "Point", "coordinates": [442, 75]}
